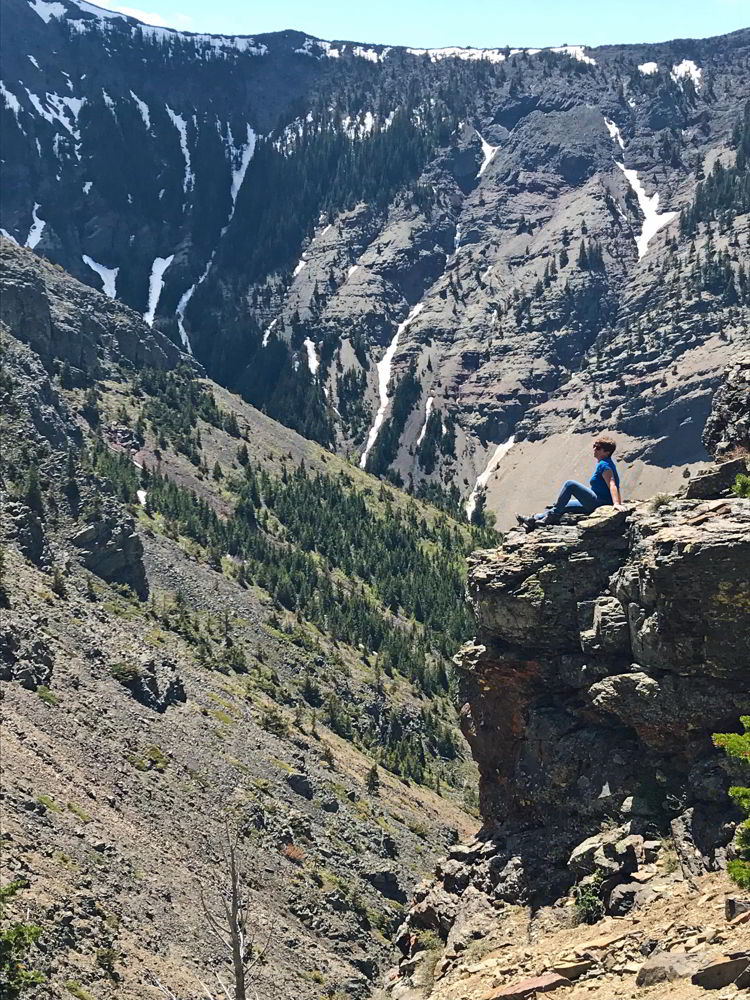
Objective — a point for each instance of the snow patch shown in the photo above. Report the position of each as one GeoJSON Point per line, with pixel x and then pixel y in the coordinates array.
{"type": "Point", "coordinates": [11, 101]}
{"type": "Point", "coordinates": [488, 153]}
{"type": "Point", "coordinates": [33, 62]}
{"type": "Point", "coordinates": [648, 68]}
{"type": "Point", "coordinates": [107, 274]}
{"type": "Point", "coordinates": [64, 110]}
{"type": "Point", "coordinates": [301, 265]}
{"type": "Point", "coordinates": [352, 270]}
{"type": "Point", "coordinates": [653, 221]}
{"type": "Point", "coordinates": [143, 108]}
{"type": "Point", "coordinates": [575, 52]}
{"type": "Point", "coordinates": [685, 69]}
{"type": "Point", "coordinates": [614, 132]}
{"type": "Point", "coordinates": [141, 494]}
{"type": "Point", "coordinates": [47, 10]}
{"type": "Point", "coordinates": [384, 377]}
{"type": "Point", "coordinates": [453, 52]}
{"type": "Point", "coordinates": [500, 452]}
{"type": "Point", "coordinates": [242, 156]}
{"type": "Point", "coordinates": [267, 331]}
{"type": "Point", "coordinates": [427, 412]}
{"type": "Point", "coordinates": [312, 356]}
{"type": "Point", "coordinates": [87, 186]}
{"type": "Point", "coordinates": [179, 123]}
{"type": "Point", "coordinates": [362, 53]}
{"type": "Point", "coordinates": [155, 285]}
{"type": "Point", "coordinates": [457, 239]}
{"type": "Point", "coordinates": [37, 227]}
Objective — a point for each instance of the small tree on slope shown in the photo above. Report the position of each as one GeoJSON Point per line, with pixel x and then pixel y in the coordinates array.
{"type": "Point", "coordinates": [737, 745]}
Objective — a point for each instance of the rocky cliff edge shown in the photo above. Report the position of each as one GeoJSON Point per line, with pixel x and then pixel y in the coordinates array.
{"type": "Point", "coordinates": [607, 653]}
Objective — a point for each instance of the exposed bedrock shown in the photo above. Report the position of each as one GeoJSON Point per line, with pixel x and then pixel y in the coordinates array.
{"type": "Point", "coordinates": [607, 653]}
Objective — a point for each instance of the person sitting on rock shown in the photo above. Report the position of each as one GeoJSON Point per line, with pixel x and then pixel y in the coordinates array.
{"type": "Point", "coordinates": [575, 498]}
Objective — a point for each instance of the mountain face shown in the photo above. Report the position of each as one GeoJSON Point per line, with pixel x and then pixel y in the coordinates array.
{"type": "Point", "coordinates": [206, 618]}
{"type": "Point", "coordinates": [453, 265]}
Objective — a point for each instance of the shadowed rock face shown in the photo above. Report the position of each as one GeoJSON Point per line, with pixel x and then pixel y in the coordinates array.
{"type": "Point", "coordinates": [64, 320]}
{"type": "Point", "coordinates": [607, 652]}
{"type": "Point", "coordinates": [728, 428]}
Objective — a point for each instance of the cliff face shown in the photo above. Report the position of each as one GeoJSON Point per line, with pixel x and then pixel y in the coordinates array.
{"type": "Point", "coordinates": [607, 653]}
{"type": "Point", "coordinates": [727, 430]}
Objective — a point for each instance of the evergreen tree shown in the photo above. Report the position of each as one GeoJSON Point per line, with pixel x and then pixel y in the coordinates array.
{"type": "Point", "coordinates": [373, 780]}
{"type": "Point", "coordinates": [737, 745]}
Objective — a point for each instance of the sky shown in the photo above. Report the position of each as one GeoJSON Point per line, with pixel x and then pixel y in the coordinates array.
{"type": "Point", "coordinates": [433, 23]}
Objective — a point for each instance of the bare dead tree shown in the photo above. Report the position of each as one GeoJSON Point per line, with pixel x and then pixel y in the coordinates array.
{"type": "Point", "coordinates": [233, 928]}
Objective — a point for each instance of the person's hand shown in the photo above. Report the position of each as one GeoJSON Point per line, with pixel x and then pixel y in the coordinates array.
{"type": "Point", "coordinates": [619, 506]}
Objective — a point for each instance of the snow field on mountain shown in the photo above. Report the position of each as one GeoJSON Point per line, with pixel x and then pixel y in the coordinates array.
{"type": "Point", "coordinates": [107, 274]}
{"type": "Point", "coordinates": [143, 109]}
{"type": "Point", "coordinates": [243, 154]}
{"type": "Point", "coordinates": [488, 153]}
{"type": "Point", "coordinates": [155, 285]}
{"type": "Point", "coordinates": [11, 101]}
{"type": "Point", "coordinates": [179, 123]}
{"type": "Point", "coordinates": [687, 69]}
{"type": "Point", "coordinates": [37, 227]}
{"type": "Point", "coordinates": [614, 132]}
{"type": "Point", "coordinates": [652, 221]}
{"type": "Point", "coordinates": [648, 68]}
{"type": "Point", "coordinates": [499, 454]}
{"type": "Point", "coordinates": [312, 357]}
{"type": "Point", "coordinates": [427, 412]}
{"type": "Point", "coordinates": [267, 331]}
{"type": "Point", "coordinates": [384, 378]}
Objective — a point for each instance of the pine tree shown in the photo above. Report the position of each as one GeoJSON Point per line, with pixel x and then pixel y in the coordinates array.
{"type": "Point", "coordinates": [32, 493]}
{"type": "Point", "coordinates": [737, 745]}
{"type": "Point", "coordinates": [373, 780]}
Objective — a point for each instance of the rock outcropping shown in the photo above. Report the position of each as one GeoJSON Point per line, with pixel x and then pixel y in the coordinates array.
{"type": "Point", "coordinates": [608, 651]}
{"type": "Point", "coordinates": [728, 428]}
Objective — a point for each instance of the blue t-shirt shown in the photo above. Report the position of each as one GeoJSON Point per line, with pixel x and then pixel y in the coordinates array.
{"type": "Point", "coordinates": [598, 483]}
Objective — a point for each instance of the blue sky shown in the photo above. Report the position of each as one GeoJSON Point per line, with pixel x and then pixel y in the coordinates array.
{"type": "Point", "coordinates": [480, 23]}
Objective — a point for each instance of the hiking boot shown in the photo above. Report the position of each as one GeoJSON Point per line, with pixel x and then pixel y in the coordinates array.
{"type": "Point", "coordinates": [529, 523]}
{"type": "Point", "coordinates": [551, 517]}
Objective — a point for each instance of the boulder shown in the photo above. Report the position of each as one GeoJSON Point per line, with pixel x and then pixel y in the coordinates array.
{"type": "Point", "coordinates": [721, 971]}
{"type": "Point", "coordinates": [548, 983]}
{"type": "Point", "coordinates": [111, 549]}
{"type": "Point", "coordinates": [300, 783]}
{"type": "Point", "coordinates": [734, 907]}
{"type": "Point", "coordinates": [156, 683]}
{"type": "Point", "coordinates": [666, 967]}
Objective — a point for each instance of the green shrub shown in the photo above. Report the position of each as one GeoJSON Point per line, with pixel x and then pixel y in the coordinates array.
{"type": "Point", "coordinates": [126, 674]}
{"type": "Point", "coordinates": [16, 941]}
{"type": "Point", "coordinates": [737, 745]}
{"type": "Point", "coordinates": [47, 696]}
{"type": "Point", "coordinates": [76, 990]}
{"type": "Point", "coordinates": [588, 900]}
{"type": "Point", "coordinates": [742, 486]}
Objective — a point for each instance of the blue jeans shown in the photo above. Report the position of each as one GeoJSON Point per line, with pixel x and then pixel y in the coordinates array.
{"type": "Point", "coordinates": [574, 498]}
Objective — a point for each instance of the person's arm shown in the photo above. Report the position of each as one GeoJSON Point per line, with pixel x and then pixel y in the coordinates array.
{"type": "Point", "coordinates": [609, 479]}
